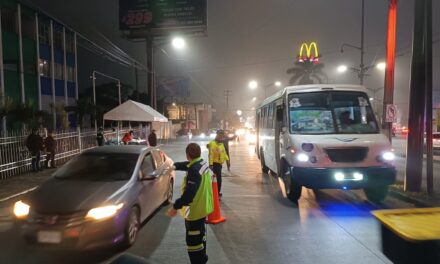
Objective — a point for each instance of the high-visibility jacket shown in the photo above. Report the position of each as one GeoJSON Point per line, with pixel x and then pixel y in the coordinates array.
{"type": "Point", "coordinates": [217, 153]}
{"type": "Point", "coordinates": [202, 203]}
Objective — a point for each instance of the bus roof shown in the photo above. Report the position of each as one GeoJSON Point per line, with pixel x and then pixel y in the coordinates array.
{"type": "Point", "coordinates": [313, 88]}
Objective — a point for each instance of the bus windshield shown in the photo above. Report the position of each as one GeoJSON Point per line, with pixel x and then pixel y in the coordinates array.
{"type": "Point", "coordinates": [331, 113]}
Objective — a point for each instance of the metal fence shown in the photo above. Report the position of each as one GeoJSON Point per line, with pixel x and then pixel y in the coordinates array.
{"type": "Point", "coordinates": [15, 157]}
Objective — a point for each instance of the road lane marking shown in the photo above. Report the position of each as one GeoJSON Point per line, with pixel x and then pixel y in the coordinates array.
{"type": "Point", "coordinates": [18, 194]}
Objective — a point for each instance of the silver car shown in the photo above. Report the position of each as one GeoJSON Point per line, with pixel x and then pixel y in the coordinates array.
{"type": "Point", "coordinates": [99, 198]}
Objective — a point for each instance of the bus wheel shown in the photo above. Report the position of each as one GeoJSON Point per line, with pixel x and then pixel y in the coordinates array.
{"type": "Point", "coordinates": [264, 168]}
{"type": "Point", "coordinates": [376, 194]}
{"type": "Point", "coordinates": [294, 192]}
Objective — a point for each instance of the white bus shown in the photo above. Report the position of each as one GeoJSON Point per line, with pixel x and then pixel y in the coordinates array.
{"type": "Point", "coordinates": [324, 137]}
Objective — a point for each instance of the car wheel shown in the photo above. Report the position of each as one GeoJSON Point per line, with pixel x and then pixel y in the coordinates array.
{"type": "Point", "coordinates": [132, 227]}
{"type": "Point", "coordinates": [170, 193]}
{"type": "Point", "coordinates": [376, 194]}
{"type": "Point", "coordinates": [264, 168]}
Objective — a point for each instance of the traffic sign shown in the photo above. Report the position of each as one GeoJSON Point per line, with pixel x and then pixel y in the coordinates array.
{"type": "Point", "coordinates": [391, 113]}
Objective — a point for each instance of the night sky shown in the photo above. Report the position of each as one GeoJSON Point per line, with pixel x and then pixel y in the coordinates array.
{"type": "Point", "coordinates": [260, 39]}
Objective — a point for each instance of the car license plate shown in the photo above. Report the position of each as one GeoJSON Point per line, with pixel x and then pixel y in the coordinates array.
{"type": "Point", "coordinates": [53, 237]}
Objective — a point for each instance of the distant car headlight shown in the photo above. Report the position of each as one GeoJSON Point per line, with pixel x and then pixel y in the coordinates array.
{"type": "Point", "coordinates": [104, 211]}
{"type": "Point", "coordinates": [202, 135]}
{"type": "Point", "coordinates": [21, 210]}
{"type": "Point", "coordinates": [388, 156]}
{"type": "Point", "coordinates": [240, 132]}
{"type": "Point", "coordinates": [231, 135]}
{"type": "Point", "coordinates": [302, 157]}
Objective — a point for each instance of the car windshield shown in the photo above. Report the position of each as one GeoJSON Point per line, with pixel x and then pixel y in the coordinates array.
{"type": "Point", "coordinates": [331, 113]}
{"type": "Point", "coordinates": [99, 167]}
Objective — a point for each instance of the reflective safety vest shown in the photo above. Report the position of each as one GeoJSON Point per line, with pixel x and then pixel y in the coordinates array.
{"type": "Point", "coordinates": [203, 202]}
{"type": "Point", "coordinates": [217, 153]}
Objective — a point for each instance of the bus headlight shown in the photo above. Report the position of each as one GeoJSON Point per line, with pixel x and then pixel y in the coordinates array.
{"type": "Point", "coordinates": [388, 156]}
{"type": "Point", "coordinates": [339, 176]}
{"type": "Point", "coordinates": [302, 157]}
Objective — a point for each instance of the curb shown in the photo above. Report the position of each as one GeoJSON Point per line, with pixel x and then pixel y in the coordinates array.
{"type": "Point", "coordinates": [405, 198]}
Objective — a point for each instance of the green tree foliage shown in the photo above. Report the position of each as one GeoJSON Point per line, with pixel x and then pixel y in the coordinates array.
{"type": "Point", "coordinates": [306, 73]}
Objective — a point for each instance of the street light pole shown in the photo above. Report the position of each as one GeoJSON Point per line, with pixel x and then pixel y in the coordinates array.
{"type": "Point", "coordinates": [94, 99]}
{"type": "Point", "coordinates": [94, 91]}
{"type": "Point", "coordinates": [361, 73]}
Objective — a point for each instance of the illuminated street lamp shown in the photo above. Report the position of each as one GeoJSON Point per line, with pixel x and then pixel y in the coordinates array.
{"type": "Point", "coordinates": [342, 68]}
{"type": "Point", "coordinates": [277, 84]}
{"type": "Point", "coordinates": [178, 43]}
{"type": "Point", "coordinates": [253, 85]}
{"type": "Point", "coordinates": [239, 112]}
{"type": "Point", "coordinates": [381, 66]}
{"type": "Point", "coordinates": [254, 99]}
{"type": "Point", "coordinates": [174, 104]}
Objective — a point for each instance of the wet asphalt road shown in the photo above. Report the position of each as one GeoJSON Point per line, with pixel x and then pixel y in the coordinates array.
{"type": "Point", "coordinates": [329, 226]}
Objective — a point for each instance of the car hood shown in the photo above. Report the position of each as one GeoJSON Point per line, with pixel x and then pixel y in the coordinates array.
{"type": "Point", "coordinates": [66, 196]}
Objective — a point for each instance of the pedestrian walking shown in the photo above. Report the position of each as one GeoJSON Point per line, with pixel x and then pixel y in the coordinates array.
{"type": "Point", "coordinates": [152, 138]}
{"type": "Point", "coordinates": [217, 156]}
{"type": "Point", "coordinates": [50, 144]}
{"type": "Point", "coordinates": [34, 143]}
{"type": "Point", "coordinates": [196, 202]}
{"type": "Point", "coordinates": [100, 137]}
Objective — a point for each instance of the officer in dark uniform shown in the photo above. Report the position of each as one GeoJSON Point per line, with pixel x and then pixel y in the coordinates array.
{"type": "Point", "coordinates": [34, 143]}
{"type": "Point", "coordinates": [100, 137]}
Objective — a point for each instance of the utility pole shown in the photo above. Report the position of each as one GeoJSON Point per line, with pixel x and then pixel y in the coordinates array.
{"type": "Point", "coordinates": [362, 67]}
{"type": "Point", "coordinates": [428, 97]}
{"type": "Point", "coordinates": [389, 70]}
{"type": "Point", "coordinates": [362, 71]}
{"type": "Point", "coordinates": [150, 72]}
{"type": "Point", "coordinates": [421, 81]}
{"type": "Point", "coordinates": [228, 93]}
{"type": "Point", "coordinates": [136, 83]}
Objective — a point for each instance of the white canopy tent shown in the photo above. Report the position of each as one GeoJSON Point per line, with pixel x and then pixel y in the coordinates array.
{"type": "Point", "coordinates": [137, 112]}
{"type": "Point", "coordinates": [134, 111]}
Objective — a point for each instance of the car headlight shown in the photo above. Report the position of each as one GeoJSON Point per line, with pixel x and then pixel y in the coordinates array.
{"type": "Point", "coordinates": [202, 135]}
{"type": "Point", "coordinates": [103, 212]}
{"type": "Point", "coordinates": [302, 157]}
{"type": "Point", "coordinates": [21, 210]}
{"type": "Point", "coordinates": [388, 156]}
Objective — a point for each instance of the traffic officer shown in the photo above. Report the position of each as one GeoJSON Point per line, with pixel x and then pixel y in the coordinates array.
{"type": "Point", "coordinates": [195, 203]}
{"type": "Point", "coordinates": [217, 156]}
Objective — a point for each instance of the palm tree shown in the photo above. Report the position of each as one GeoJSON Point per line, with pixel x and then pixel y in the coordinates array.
{"type": "Point", "coordinates": [26, 114]}
{"type": "Point", "coordinates": [306, 73]}
{"type": "Point", "coordinates": [7, 106]}
{"type": "Point", "coordinates": [83, 107]}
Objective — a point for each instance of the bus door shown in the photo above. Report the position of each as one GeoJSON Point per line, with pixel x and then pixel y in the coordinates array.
{"type": "Point", "coordinates": [279, 123]}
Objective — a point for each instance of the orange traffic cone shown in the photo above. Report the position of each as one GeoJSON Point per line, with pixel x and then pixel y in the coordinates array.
{"type": "Point", "coordinates": [215, 217]}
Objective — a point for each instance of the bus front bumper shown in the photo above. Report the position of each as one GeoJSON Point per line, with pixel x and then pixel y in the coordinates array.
{"type": "Point", "coordinates": [343, 178]}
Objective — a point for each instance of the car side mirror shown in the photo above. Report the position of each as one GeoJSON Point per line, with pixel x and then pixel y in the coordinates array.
{"type": "Point", "coordinates": [148, 177]}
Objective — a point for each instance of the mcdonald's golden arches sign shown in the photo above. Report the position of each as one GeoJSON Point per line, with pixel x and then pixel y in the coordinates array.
{"type": "Point", "coordinates": [305, 53]}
